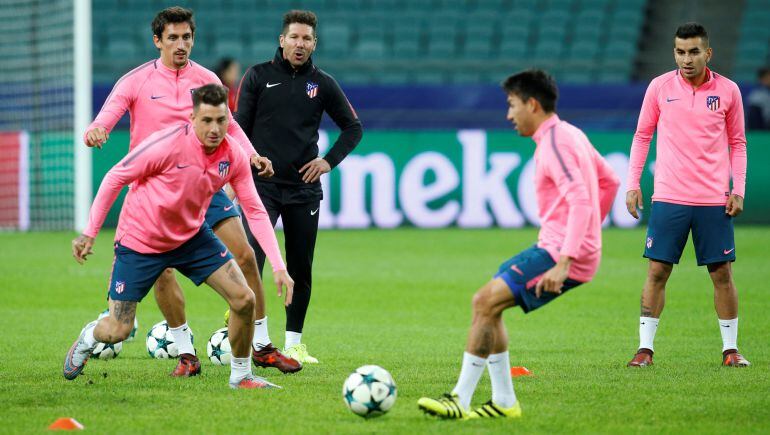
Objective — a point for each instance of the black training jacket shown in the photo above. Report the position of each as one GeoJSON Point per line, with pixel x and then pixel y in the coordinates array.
{"type": "Point", "coordinates": [280, 109]}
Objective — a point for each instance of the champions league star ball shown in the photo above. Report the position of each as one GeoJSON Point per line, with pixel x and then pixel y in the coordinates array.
{"type": "Point", "coordinates": [369, 391]}
{"type": "Point", "coordinates": [160, 342]}
{"type": "Point", "coordinates": [106, 351]}
{"type": "Point", "coordinates": [131, 336]}
{"type": "Point", "coordinates": [218, 348]}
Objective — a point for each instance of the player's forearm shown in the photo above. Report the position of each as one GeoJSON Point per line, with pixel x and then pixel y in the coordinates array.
{"type": "Point", "coordinates": [105, 197]}
{"type": "Point", "coordinates": [578, 220]}
{"type": "Point", "coordinates": [639, 150]}
{"type": "Point", "coordinates": [346, 143]}
{"type": "Point", "coordinates": [235, 130]}
{"type": "Point", "coordinates": [257, 218]}
{"type": "Point", "coordinates": [608, 188]}
{"type": "Point", "coordinates": [738, 164]}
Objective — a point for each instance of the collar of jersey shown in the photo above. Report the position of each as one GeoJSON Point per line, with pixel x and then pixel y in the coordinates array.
{"type": "Point", "coordinates": [170, 71]}
{"type": "Point", "coordinates": [547, 124]}
{"type": "Point", "coordinates": [708, 84]}
{"type": "Point", "coordinates": [279, 60]}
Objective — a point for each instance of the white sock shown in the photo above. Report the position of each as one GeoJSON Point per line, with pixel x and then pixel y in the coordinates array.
{"type": "Point", "coordinates": [729, 330]}
{"type": "Point", "coordinates": [473, 368]}
{"type": "Point", "coordinates": [183, 339]}
{"type": "Point", "coordinates": [499, 367]}
{"type": "Point", "coordinates": [261, 337]}
{"type": "Point", "coordinates": [292, 339]}
{"type": "Point", "coordinates": [239, 369]}
{"type": "Point", "coordinates": [88, 337]}
{"type": "Point", "coordinates": [647, 328]}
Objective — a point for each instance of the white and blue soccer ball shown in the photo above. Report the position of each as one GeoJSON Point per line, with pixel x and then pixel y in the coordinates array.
{"type": "Point", "coordinates": [369, 391]}
{"type": "Point", "coordinates": [106, 351]}
{"type": "Point", "coordinates": [160, 342]}
{"type": "Point", "coordinates": [131, 336]}
{"type": "Point", "coordinates": [218, 348]}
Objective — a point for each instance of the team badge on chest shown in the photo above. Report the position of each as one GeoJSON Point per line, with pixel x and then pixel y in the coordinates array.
{"type": "Point", "coordinates": [712, 102]}
{"type": "Point", "coordinates": [311, 89]}
{"type": "Point", "coordinates": [224, 168]}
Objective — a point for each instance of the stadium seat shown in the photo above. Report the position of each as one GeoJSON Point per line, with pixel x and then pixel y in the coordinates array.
{"type": "Point", "coordinates": [370, 49]}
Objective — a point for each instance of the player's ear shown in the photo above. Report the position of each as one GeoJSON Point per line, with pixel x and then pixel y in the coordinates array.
{"type": "Point", "coordinates": [192, 115]}
{"type": "Point", "coordinates": [156, 41]}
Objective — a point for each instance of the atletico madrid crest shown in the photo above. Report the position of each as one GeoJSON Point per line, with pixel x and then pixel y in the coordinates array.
{"type": "Point", "coordinates": [312, 89]}
{"type": "Point", "coordinates": [120, 286]}
{"type": "Point", "coordinates": [712, 102]}
{"type": "Point", "coordinates": [224, 168]}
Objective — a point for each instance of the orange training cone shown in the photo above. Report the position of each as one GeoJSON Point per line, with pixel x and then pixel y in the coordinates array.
{"type": "Point", "coordinates": [65, 423]}
{"type": "Point", "coordinates": [520, 371]}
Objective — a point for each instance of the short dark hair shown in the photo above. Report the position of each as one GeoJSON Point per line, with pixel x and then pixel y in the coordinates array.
{"type": "Point", "coordinates": [211, 93]}
{"type": "Point", "coordinates": [533, 83]}
{"type": "Point", "coordinates": [692, 30]}
{"type": "Point", "coordinates": [174, 14]}
{"type": "Point", "coordinates": [301, 17]}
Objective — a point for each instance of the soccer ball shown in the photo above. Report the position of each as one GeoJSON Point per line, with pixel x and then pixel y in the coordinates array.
{"type": "Point", "coordinates": [160, 343]}
{"type": "Point", "coordinates": [218, 348]}
{"type": "Point", "coordinates": [107, 351]}
{"type": "Point", "coordinates": [369, 391]}
{"type": "Point", "coordinates": [131, 336]}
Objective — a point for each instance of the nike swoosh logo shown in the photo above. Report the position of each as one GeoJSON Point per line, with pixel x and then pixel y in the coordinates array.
{"type": "Point", "coordinates": [223, 254]}
{"type": "Point", "coordinates": [270, 85]}
{"type": "Point", "coordinates": [182, 166]}
{"type": "Point", "coordinates": [313, 212]}
{"type": "Point", "coordinates": [477, 365]}
{"type": "Point", "coordinates": [228, 207]}
{"type": "Point", "coordinates": [668, 100]}
{"type": "Point", "coordinates": [516, 269]}
{"type": "Point", "coordinates": [155, 97]}
{"type": "Point", "coordinates": [727, 251]}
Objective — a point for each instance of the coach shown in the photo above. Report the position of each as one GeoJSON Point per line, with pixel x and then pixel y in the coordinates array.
{"type": "Point", "coordinates": [279, 105]}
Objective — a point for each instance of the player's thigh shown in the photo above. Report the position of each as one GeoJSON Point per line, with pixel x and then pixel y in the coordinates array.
{"type": "Point", "coordinates": [228, 281]}
{"type": "Point", "coordinates": [300, 226]}
{"type": "Point", "coordinates": [667, 231]}
{"type": "Point", "coordinates": [231, 232]}
{"type": "Point", "coordinates": [713, 235]}
{"type": "Point", "coordinates": [134, 273]}
{"type": "Point", "coordinates": [494, 297]}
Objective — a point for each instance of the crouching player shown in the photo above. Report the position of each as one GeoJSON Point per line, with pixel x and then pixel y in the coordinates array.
{"type": "Point", "coordinates": [174, 173]}
{"type": "Point", "coordinates": [575, 189]}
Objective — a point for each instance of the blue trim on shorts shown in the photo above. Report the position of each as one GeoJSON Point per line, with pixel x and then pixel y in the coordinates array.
{"type": "Point", "coordinates": [221, 208]}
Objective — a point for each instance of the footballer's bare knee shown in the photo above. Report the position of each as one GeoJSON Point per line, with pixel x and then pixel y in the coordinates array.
{"type": "Point", "coordinates": [243, 303]}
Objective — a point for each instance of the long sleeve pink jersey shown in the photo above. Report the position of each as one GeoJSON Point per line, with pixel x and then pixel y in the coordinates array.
{"type": "Point", "coordinates": [157, 97]}
{"type": "Point", "coordinates": [701, 140]}
{"type": "Point", "coordinates": [575, 188]}
{"type": "Point", "coordinates": [173, 180]}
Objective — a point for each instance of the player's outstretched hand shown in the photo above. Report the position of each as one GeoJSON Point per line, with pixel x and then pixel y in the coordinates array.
{"type": "Point", "coordinates": [634, 200]}
{"type": "Point", "coordinates": [282, 279]}
{"type": "Point", "coordinates": [82, 247]}
{"type": "Point", "coordinates": [96, 137]}
{"type": "Point", "coordinates": [553, 280]}
{"type": "Point", "coordinates": [314, 169]}
{"type": "Point", "coordinates": [734, 205]}
{"type": "Point", "coordinates": [264, 166]}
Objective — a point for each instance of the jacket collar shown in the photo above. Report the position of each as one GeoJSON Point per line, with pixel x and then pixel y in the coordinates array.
{"type": "Point", "coordinates": [173, 72]}
{"type": "Point", "coordinates": [708, 84]}
{"type": "Point", "coordinates": [544, 127]}
{"type": "Point", "coordinates": [283, 63]}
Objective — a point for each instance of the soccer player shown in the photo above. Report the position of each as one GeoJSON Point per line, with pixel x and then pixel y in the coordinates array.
{"type": "Point", "coordinates": [174, 173]}
{"type": "Point", "coordinates": [280, 105]}
{"type": "Point", "coordinates": [698, 115]}
{"type": "Point", "coordinates": [575, 188]}
{"type": "Point", "coordinates": [157, 94]}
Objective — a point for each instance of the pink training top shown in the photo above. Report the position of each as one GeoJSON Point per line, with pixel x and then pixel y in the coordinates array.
{"type": "Point", "coordinates": [173, 183]}
{"type": "Point", "coordinates": [701, 137]}
{"type": "Point", "coordinates": [575, 188]}
{"type": "Point", "coordinates": [157, 97]}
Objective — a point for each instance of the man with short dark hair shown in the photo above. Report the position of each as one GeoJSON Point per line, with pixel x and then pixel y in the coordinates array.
{"type": "Point", "coordinates": [575, 189]}
{"type": "Point", "coordinates": [758, 116]}
{"type": "Point", "coordinates": [698, 115]}
{"type": "Point", "coordinates": [280, 105]}
{"type": "Point", "coordinates": [158, 94]}
{"type": "Point", "coordinates": [174, 173]}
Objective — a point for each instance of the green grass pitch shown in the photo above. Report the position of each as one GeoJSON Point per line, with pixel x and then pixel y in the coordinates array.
{"type": "Point", "coordinates": [399, 299]}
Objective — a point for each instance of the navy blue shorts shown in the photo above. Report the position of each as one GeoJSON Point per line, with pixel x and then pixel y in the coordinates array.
{"type": "Point", "coordinates": [521, 273]}
{"type": "Point", "coordinates": [669, 227]}
{"type": "Point", "coordinates": [220, 209]}
{"type": "Point", "coordinates": [133, 273]}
